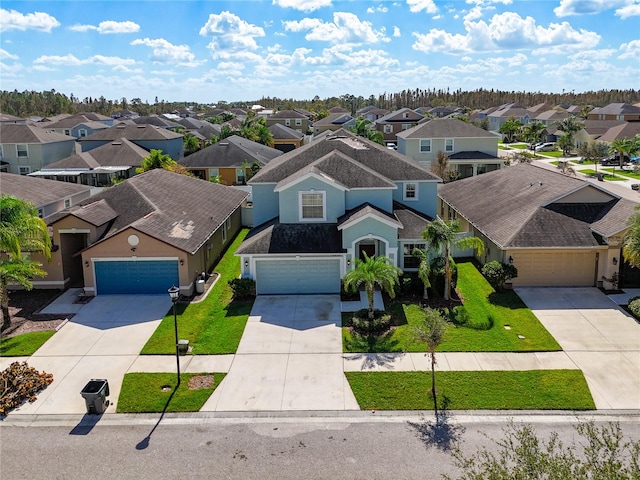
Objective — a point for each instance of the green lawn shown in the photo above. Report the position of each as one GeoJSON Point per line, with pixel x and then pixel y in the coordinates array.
{"type": "Point", "coordinates": [554, 154]}
{"type": "Point", "coordinates": [480, 390]}
{"type": "Point", "coordinates": [624, 173]}
{"type": "Point", "coordinates": [144, 392]}
{"type": "Point", "coordinates": [607, 176]}
{"type": "Point", "coordinates": [485, 309]}
{"type": "Point", "coordinates": [24, 345]}
{"type": "Point", "coordinates": [213, 326]}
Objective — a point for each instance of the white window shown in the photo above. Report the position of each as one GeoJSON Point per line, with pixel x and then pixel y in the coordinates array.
{"type": "Point", "coordinates": [67, 131]}
{"type": "Point", "coordinates": [67, 203]}
{"type": "Point", "coordinates": [410, 191]}
{"type": "Point", "coordinates": [83, 132]}
{"type": "Point", "coordinates": [23, 151]}
{"type": "Point", "coordinates": [40, 213]}
{"type": "Point", "coordinates": [25, 170]}
{"type": "Point", "coordinates": [448, 145]}
{"type": "Point", "coordinates": [240, 175]}
{"type": "Point", "coordinates": [298, 122]}
{"type": "Point", "coordinates": [425, 146]}
{"type": "Point", "coordinates": [227, 223]}
{"type": "Point", "coordinates": [312, 206]}
{"type": "Point", "coordinates": [405, 115]}
{"type": "Point", "coordinates": [411, 261]}
{"type": "Point", "coordinates": [287, 122]}
{"type": "Point", "coordinates": [213, 173]}
{"type": "Point", "coordinates": [388, 128]}
{"type": "Point", "coordinates": [406, 126]}
{"type": "Point", "coordinates": [224, 235]}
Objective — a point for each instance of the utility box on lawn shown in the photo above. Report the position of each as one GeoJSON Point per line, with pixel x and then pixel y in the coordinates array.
{"type": "Point", "coordinates": [95, 395]}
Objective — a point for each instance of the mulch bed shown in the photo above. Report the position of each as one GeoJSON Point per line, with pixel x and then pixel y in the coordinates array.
{"type": "Point", "coordinates": [24, 308]}
{"type": "Point", "coordinates": [201, 381]}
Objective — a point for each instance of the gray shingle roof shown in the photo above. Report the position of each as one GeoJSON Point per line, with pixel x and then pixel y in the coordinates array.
{"type": "Point", "coordinates": [446, 128]}
{"type": "Point", "coordinates": [276, 237]}
{"type": "Point", "coordinates": [14, 133]}
{"type": "Point", "coordinates": [472, 156]}
{"type": "Point", "coordinates": [616, 109]}
{"type": "Point", "coordinates": [132, 132]}
{"type": "Point", "coordinates": [364, 210]}
{"type": "Point", "coordinates": [233, 152]}
{"type": "Point", "coordinates": [282, 132]}
{"type": "Point", "coordinates": [517, 206]}
{"type": "Point", "coordinates": [413, 222]}
{"type": "Point", "coordinates": [38, 191]}
{"type": "Point", "coordinates": [179, 210]}
{"type": "Point", "coordinates": [287, 114]}
{"type": "Point", "coordinates": [377, 158]}
{"type": "Point", "coordinates": [615, 220]}
{"type": "Point", "coordinates": [114, 154]}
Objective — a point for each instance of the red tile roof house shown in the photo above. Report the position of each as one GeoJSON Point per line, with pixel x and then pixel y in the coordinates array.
{"type": "Point", "coordinates": [146, 234]}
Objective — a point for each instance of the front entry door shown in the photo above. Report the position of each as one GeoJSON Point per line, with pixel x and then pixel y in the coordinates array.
{"type": "Point", "coordinates": [368, 248]}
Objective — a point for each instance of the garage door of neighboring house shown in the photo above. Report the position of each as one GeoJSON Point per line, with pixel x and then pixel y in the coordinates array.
{"type": "Point", "coordinates": [555, 268]}
{"type": "Point", "coordinates": [297, 276]}
{"type": "Point", "coordinates": [135, 277]}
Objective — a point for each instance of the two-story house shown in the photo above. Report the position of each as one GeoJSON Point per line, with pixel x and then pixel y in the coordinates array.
{"type": "Point", "coordinates": [333, 122]}
{"type": "Point", "coordinates": [504, 112]}
{"type": "Point", "coordinates": [289, 118]}
{"type": "Point", "coordinates": [285, 139]}
{"type": "Point", "coordinates": [322, 206]}
{"type": "Point", "coordinates": [79, 125]}
{"type": "Point", "coordinates": [26, 148]}
{"type": "Point", "coordinates": [471, 150]}
{"type": "Point", "coordinates": [616, 111]}
{"type": "Point", "coordinates": [398, 121]}
{"type": "Point", "coordinates": [146, 136]}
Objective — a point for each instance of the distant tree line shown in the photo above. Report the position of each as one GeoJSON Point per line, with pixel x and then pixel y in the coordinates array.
{"type": "Point", "coordinates": [48, 103]}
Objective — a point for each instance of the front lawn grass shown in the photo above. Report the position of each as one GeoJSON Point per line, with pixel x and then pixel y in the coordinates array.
{"type": "Point", "coordinates": [150, 392]}
{"type": "Point", "coordinates": [480, 390]}
{"type": "Point", "coordinates": [623, 173]}
{"type": "Point", "coordinates": [488, 311]}
{"type": "Point", "coordinates": [213, 326]}
{"type": "Point", "coordinates": [555, 154]}
{"type": "Point", "coordinates": [24, 345]}
{"type": "Point", "coordinates": [607, 176]}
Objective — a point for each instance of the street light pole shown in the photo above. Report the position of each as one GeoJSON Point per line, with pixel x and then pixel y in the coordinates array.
{"type": "Point", "coordinates": [174, 293]}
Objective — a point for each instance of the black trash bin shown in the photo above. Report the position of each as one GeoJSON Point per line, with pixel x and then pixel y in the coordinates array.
{"type": "Point", "coordinates": [601, 177]}
{"type": "Point", "coordinates": [95, 395]}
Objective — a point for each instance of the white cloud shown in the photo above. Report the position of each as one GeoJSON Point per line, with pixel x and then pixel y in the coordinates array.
{"type": "Point", "coordinates": [231, 34]}
{"type": "Point", "coordinates": [166, 52]}
{"type": "Point", "coordinates": [346, 28]}
{"type": "Point", "coordinates": [108, 26]}
{"type": "Point", "coordinates": [419, 5]}
{"type": "Point", "coordinates": [507, 31]}
{"type": "Point", "coordinates": [303, 5]}
{"type": "Point", "coordinates": [71, 60]}
{"type": "Point", "coordinates": [585, 7]}
{"type": "Point", "coordinates": [630, 50]}
{"type": "Point", "coordinates": [13, 20]}
{"type": "Point", "coordinates": [380, 8]}
{"type": "Point", "coordinates": [396, 32]}
{"type": "Point", "coordinates": [4, 55]}
{"type": "Point", "coordinates": [593, 54]}
{"type": "Point", "coordinates": [631, 10]}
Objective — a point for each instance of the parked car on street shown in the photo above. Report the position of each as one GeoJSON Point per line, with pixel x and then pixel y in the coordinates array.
{"type": "Point", "coordinates": [614, 160]}
{"type": "Point", "coordinates": [546, 147]}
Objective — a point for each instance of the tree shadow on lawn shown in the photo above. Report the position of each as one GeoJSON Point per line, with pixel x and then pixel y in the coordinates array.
{"type": "Point", "coordinates": [239, 307]}
{"type": "Point", "coordinates": [506, 299]}
{"type": "Point", "coordinates": [441, 433]}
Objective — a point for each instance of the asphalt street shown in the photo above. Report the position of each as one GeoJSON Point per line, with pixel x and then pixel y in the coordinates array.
{"type": "Point", "coordinates": [196, 447]}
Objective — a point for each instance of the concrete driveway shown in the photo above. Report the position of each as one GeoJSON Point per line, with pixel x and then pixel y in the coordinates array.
{"type": "Point", "coordinates": [102, 340]}
{"type": "Point", "coordinates": [600, 338]}
{"type": "Point", "coordinates": [289, 358]}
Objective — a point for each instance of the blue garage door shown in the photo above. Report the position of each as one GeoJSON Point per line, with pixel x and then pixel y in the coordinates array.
{"type": "Point", "coordinates": [141, 276]}
{"type": "Point", "coordinates": [297, 276]}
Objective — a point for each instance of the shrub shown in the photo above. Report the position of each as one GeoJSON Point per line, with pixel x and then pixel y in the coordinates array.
{"type": "Point", "coordinates": [242, 287]}
{"type": "Point", "coordinates": [459, 315]}
{"type": "Point", "coordinates": [498, 273]}
{"type": "Point", "coordinates": [21, 383]}
{"type": "Point", "coordinates": [362, 324]}
{"type": "Point", "coordinates": [410, 285]}
{"type": "Point", "coordinates": [634, 306]}
{"type": "Point", "coordinates": [437, 274]}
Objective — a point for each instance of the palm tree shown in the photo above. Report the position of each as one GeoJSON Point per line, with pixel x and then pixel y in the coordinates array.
{"type": "Point", "coordinates": [570, 126]}
{"type": "Point", "coordinates": [509, 129]}
{"type": "Point", "coordinates": [431, 331]}
{"type": "Point", "coordinates": [631, 241]}
{"type": "Point", "coordinates": [155, 159]}
{"type": "Point", "coordinates": [440, 234]}
{"type": "Point", "coordinates": [190, 143]}
{"type": "Point", "coordinates": [532, 132]}
{"type": "Point", "coordinates": [21, 230]}
{"type": "Point", "coordinates": [622, 147]}
{"type": "Point", "coordinates": [424, 270]}
{"type": "Point", "coordinates": [370, 272]}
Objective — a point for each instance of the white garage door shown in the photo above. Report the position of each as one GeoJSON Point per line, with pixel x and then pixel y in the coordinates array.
{"type": "Point", "coordinates": [297, 276]}
{"type": "Point", "coordinates": [555, 269]}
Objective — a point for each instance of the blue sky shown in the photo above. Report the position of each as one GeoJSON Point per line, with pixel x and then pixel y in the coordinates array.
{"type": "Point", "coordinates": [207, 51]}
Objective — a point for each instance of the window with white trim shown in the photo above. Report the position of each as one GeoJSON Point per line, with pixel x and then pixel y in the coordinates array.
{"type": "Point", "coordinates": [67, 203]}
{"type": "Point", "coordinates": [448, 145]}
{"type": "Point", "coordinates": [287, 122]}
{"type": "Point", "coordinates": [224, 235]}
{"type": "Point", "coordinates": [25, 170]}
{"type": "Point", "coordinates": [312, 206]}
{"type": "Point", "coordinates": [406, 126]}
{"type": "Point", "coordinates": [83, 132]}
{"type": "Point", "coordinates": [410, 191]}
{"type": "Point", "coordinates": [22, 151]}
{"type": "Point", "coordinates": [227, 223]}
{"type": "Point", "coordinates": [240, 175]}
{"type": "Point", "coordinates": [388, 128]}
{"type": "Point", "coordinates": [298, 122]}
{"type": "Point", "coordinates": [409, 259]}
{"type": "Point", "coordinates": [213, 173]}
{"type": "Point", "coordinates": [425, 146]}
{"type": "Point", "coordinates": [67, 131]}
{"type": "Point", "coordinates": [40, 213]}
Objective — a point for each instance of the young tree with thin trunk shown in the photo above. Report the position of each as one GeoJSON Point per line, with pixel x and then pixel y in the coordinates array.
{"type": "Point", "coordinates": [431, 331]}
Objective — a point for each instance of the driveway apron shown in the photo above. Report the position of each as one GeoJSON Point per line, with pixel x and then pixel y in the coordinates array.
{"type": "Point", "coordinates": [289, 358]}
{"type": "Point", "coordinates": [102, 340]}
{"type": "Point", "coordinates": [599, 337]}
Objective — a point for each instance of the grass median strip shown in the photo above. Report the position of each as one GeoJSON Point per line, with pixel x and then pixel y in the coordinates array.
{"type": "Point", "coordinates": [213, 326]}
{"type": "Point", "coordinates": [24, 345]}
{"type": "Point", "coordinates": [154, 392]}
{"type": "Point", "coordinates": [478, 390]}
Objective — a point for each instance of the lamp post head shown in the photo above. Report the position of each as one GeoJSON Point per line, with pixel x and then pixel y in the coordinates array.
{"type": "Point", "coordinates": [174, 293]}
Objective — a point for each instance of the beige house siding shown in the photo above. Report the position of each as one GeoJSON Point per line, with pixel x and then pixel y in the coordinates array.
{"type": "Point", "coordinates": [586, 195]}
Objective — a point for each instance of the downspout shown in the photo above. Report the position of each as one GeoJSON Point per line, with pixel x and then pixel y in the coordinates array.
{"type": "Point", "coordinates": [595, 276]}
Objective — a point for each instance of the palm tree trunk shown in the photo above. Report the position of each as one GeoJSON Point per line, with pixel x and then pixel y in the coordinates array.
{"type": "Point", "coordinates": [4, 300]}
{"type": "Point", "coordinates": [370, 291]}
{"type": "Point", "coordinates": [433, 381]}
{"type": "Point", "coordinates": [447, 274]}
{"type": "Point", "coordinates": [425, 293]}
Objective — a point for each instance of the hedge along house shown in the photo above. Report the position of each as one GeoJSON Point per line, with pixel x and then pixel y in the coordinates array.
{"type": "Point", "coordinates": [555, 229]}
{"type": "Point", "coordinates": [321, 206]}
{"type": "Point", "coordinates": [153, 231]}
